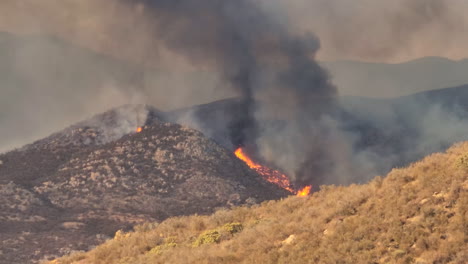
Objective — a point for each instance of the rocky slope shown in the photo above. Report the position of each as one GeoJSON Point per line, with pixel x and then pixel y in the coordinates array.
{"type": "Point", "coordinates": [77, 187]}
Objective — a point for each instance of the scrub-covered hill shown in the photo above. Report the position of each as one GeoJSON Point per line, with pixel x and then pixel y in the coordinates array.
{"type": "Point", "coordinates": [416, 214]}
{"type": "Point", "coordinates": [73, 189]}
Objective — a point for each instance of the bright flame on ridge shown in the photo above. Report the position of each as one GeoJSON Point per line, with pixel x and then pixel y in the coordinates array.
{"type": "Point", "coordinates": [270, 175]}
{"type": "Point", "coordinates": [304, 191]}
{"type": "Point", "coordinates": [139, 129]}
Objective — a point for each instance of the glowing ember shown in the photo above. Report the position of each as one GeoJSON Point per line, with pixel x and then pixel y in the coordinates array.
{"type": "Point", "coordinates": [139, 129]}
{"type": "Point", "coordinates": [273, 176]}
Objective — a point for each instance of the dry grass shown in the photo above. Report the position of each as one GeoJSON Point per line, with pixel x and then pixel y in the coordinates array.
{"type": "Point", "coordinates": [413, 215]}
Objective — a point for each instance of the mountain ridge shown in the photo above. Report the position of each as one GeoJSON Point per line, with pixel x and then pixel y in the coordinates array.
{"type": "Point", "coordinates": [393, 80]}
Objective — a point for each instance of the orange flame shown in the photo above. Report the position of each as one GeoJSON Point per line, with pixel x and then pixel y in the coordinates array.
{"type": "Point", "coordinates": [139, 129]}
{"type": "Point", "coordinates": [304, 191]}
{"type": "Point", "coordinates": [270, 175]}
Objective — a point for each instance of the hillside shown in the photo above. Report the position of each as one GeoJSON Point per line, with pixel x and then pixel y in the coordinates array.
{"type": "Point", "coordinates": [381, 133]}
{"type": "Point", "coordinates": [77, 187]}
{"type": "Point", "coordinates": [392, 80]}
{"type": "Point", "coordinates": [416, 214]}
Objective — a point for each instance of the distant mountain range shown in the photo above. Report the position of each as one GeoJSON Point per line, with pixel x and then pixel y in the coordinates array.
{"type": "Point", "coordinates": [393, 80]}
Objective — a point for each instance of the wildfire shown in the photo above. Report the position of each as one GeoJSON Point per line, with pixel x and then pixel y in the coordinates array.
{"type": "Point", "coordinates": [273, 176]}
{"type": "Point", "coordinates": [304, 191]}
{"type": "Point", "coordinates": [139, 129]}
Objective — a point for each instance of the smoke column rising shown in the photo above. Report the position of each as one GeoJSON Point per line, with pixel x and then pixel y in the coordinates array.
{"type": "Point", "coordinates": [271, 68]}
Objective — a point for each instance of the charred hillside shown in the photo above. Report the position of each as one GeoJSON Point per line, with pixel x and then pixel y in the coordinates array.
{"type": "Point", "coordinates": [74, 189]}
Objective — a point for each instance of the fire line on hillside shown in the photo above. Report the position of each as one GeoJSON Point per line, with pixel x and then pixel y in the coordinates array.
{"type": "Point", "coordinates": [271, 175]}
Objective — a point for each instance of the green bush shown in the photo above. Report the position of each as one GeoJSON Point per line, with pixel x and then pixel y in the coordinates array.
{"type": "Point", "coordinates": [233, 228]}
{"type": "Point", "coordinates": [208, 237]}
{"type": "Point", "coordinates": [463, 161]}
{"type": "Point", "coordinates": [158, 249]}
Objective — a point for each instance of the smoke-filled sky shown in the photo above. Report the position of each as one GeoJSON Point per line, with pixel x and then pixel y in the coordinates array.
{"type": "Point", "coordinates": [382, 31]}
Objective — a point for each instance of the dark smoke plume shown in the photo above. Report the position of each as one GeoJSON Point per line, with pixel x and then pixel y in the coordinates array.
{"type": "Point", "coordinates": [272, 70]}
{"type": "Point", "coordinates": [242, 41]}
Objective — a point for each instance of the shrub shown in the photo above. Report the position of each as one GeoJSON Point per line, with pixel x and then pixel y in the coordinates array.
{"type": "Point", "coordinates": [120, 235]}
{"type": "Point", "coordinates": [463, 161]}
{"type": "Point", "coordinates": [208, 237]}
{"type": "Point", "coordinates": [158, 249]}
{"type": "Point", "coordinates": [233, 228]}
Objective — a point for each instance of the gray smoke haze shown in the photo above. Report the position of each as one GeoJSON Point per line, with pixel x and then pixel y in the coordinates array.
{"type": "Point", "coordinates": [48, 84]}
{"type": "Point", "coordinates": [382, 31]}
{"type": "Point", "coordinates": [408, 128]}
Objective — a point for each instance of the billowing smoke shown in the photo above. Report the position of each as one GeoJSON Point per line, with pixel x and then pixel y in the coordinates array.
{"type": "Point", "coordinates": [285, 92]}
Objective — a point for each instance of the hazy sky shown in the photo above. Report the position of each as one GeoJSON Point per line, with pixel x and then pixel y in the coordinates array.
{"type": "Point", "coordinates": [370, 30]}
{"type": "Point", "coordinates": [381, 30]}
